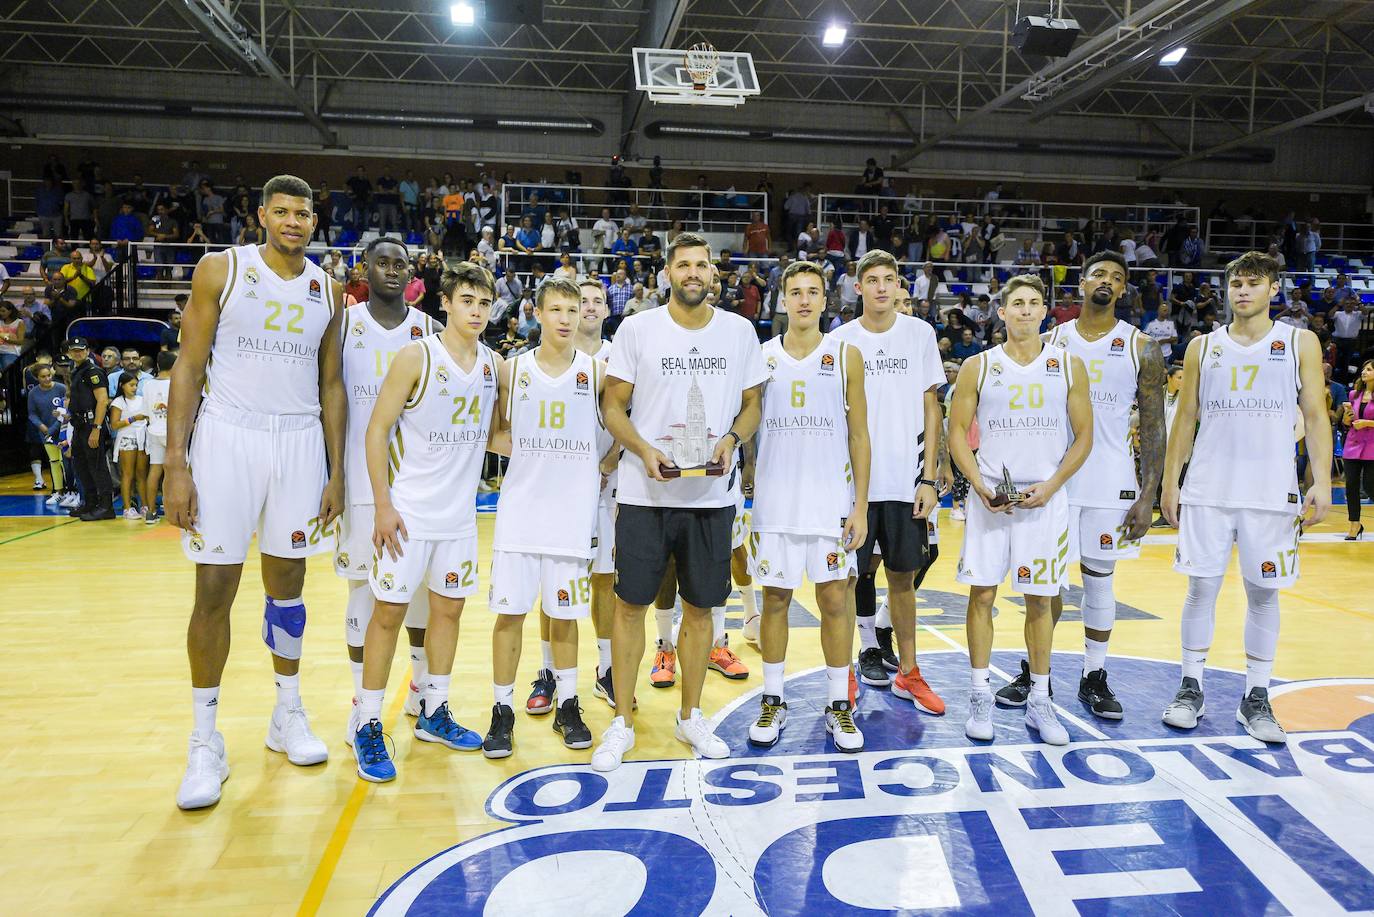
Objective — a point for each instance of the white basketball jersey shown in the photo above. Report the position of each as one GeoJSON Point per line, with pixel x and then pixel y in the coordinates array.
{"type": "Point", "coordinates": [1023, 415]}
{"type": "Point", "coordinates": [549, 495]}
{"type": "Point", "coordinates": [368, 350]}
{"type": "Point", "coordinates": [803, 484]}
{"type": "Point", "coordinates": [440, 441]}
{"type": "Point", "coordinates": [1107, 479]}
{"type": "Point", "coordinates": [266, 353]}
{"type": "Point", "coordinates": [1247, 408]}
{"type": "Point", "coordinates": [604, 439]}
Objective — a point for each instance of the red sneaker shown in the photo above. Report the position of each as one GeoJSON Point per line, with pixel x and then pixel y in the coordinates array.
{"type": "Point", "coordinates": [724, 661]}
{"type": "Point", "coordinates": [911, 686]}
{"type": "Point", "coordinates": [854, 693]}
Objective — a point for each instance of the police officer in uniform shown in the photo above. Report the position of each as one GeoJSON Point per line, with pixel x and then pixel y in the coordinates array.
{"type": "Point", "coordinates": [89, 402]}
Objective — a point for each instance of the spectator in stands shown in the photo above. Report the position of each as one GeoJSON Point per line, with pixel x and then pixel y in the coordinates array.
{"type": "Point", "coordinates": [78, 208]}
{"type": "Point", "coordinates": [80, 277]}
{"type": "Point", "coordinates": [567, 233]}
{"type": "Point", "coordinates": [130, 364]}
{"type": "Point", "coordinates": [1065, 309]}
{"type": "Point", "coordinates": [36, 315]}
{"type": "Point", "coordinates": [324, 209]}
{"type": "Point", "coordinates": [618, 292]}
{"type": "Point", "coordinates": [565, 268]}
{"type": "Point", "coordinates": [1127, 248]}
{"type": "Point", "coordinates": [1184, 292]}
{"type": "Point", "coordinates": [808, 241]}
{"type": "Point", "coordinates": [1164, 331]}
{"type": "Point", "coordinates": [624, 246]}
{"type": "Point", "coordinates": [757, 242]}
{"type": "Point", "coordinates": [106, 209]}
{"type": "Point", "coordinates": [357, 287]}
{"type": "Point", "coordinates": [43, 401]}
{"type": "Point", "coordinates": [213, 219]}
{"type": "Point", "coordinates": [861, 241]}
{"type": "Point", "coordinates": [526, 242]}
{"type": "Point", "coordinates": [1026, 255]}
{"type": "Point", "coordinates": [752, 289]}
{"type": "Point", "coordinates": [126, 226]}
{"type": "Point", "coordinates": [731, 293]}
{"type": "Point", "coordinates": [967, 346]}
{"type": "Point", "coordinates": [946, 347]}
{"type": "Point", "coordinates": [1297, 314]}
{"type": "Point", "coordinates": [989, 232]}
{"type": "Point", "coordinates": [12, 334]}
{"type": "Point", "coordinates": [513, 340]}
{"type": "Point", "coordinates": [846, 314]}
{"type": "Point", "coordinates": [109, 361]}
{"type": "Point", "coordinates": [994, 291]}
{"type": "Point", "coordinates": [651, 247]}
{"type": "Point", "coordinates": [486, 248]}
{"type": "Point", "coordinates": [388, 200]}
{"type": "Point", "coordinates": [99, 260]}
{"type": "Point", "coordinates": [435, 230]}
{"type": "Point", "coordinates": [182, 204]}
{"type": "Point", "coordinates": [1207, 298]}
{"type": "Point", "coordinates": [335, 266]}
{"type": "Point", "coordinates": [239, 209]}
{"type": "Point", "coordinates": [1150, 294]}
{"type": "Point", "coordinates": [548, 234]}
{"type": "Point", "coordinates": [1310, 242]}
{"type": "Point", "coordinates": [251, 233]}
{"type": "Point", "coordinates": [170, 337]}
{"type": "Point", "coordinates": [872, 180]}
{"type": "Point", "coordinates": [360, 199]}
{"type": "Point", "coordinates": [1174, 239]}
{"type": "Point", "coordinates": [527, 320]}
{"type": "Point", "coordinates": [836, 246]}
{"type": "Point", "coordinates": [848, 285]}
{"type": "Point", "coordinates": [797, 211]}
{"type": "Point", "coordinates": [1346, 323]}
{"type": "Point", "coordinates": [1190, 255]}
{"type": "Point", "coordinates": [635, 223]}
{"type": "Point", "coordinates": [48, 204]}
{"type": "Point", "coordinates": [775, 273]}
{"type": "Point", "coordinates": [1147, 252]}
{"type": "Point", "coordinates": [1069, 252]}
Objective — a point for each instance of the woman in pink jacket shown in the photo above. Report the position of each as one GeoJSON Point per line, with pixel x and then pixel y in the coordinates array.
{"type": "Point", "coordinates": [1359, 447]}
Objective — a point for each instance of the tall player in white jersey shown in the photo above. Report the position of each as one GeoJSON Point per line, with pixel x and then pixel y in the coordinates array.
{"type": "Point", "coordinates": [258, 379]}
{"type": "Point", "coordinates": [902, 372]}
{"type": "Point", "coordinates": [1109, 507]}
{"type": "Point", "coordinates": [373, 333]}
{"type": "Point", "coordinates": [550, 423]}
{"type": "Point", "coordinates": [1243, 388]}
{"type": "Point", "coordinates": [426, 442]}
{"type": "Point", "coordinates": [811, 498]}
{"type": "Point", "coordinates": [1030, 400]}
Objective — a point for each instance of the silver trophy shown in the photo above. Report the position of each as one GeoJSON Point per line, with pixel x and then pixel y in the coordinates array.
{"type": "Point", "coordinates": [1006, 491]}
{"type": "Point", "coordinates": [691, 447]}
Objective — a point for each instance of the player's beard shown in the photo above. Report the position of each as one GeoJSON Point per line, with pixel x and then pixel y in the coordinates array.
{"type": "Point", "coordinates": [691, 300]}
{"type": "Point", "coordinates": [1102, 296]}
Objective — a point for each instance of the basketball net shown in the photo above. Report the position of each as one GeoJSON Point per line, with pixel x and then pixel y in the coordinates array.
{"type": "Point", "coordinates": [701, 63]}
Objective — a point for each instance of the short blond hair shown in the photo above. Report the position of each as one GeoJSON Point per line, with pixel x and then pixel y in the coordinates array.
{"type": "Point", "coordinates": [875, 258]}
{"type": "Point", "coordinates": [560, 285]}
{"type": "Point", "coordinates": [1023, 280]}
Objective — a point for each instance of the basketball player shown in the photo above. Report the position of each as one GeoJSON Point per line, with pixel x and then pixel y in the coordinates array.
{"type": "Point", "coordinates": [691, 374]}
{"type": "Point", "coordinates": [260, 340]}
{"type": "Point", "coordinates": [813, 441]}
{"type": "Point", "coordinates": [546, 519]}
{"type": "Point", "coordinates": [1243, 387]}
{"type": "Point", "coordinates": [1028, 397]}
{"type": "Point", "coordinates": [373, 333]}
{"type": "Point", "coordinates": [1109, 509]}
{"type": "Point", "coordinates": [901, 360]}
{"type": "Point", "coordinates": [426, 441]}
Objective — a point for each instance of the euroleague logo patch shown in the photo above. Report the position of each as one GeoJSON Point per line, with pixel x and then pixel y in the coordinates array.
{"type": "Point", "coordinates": [1208, 815]}
{"type": "Point", "coordinates": [416, 332]}
{"type": "Point", "coordinates": [1105, 540]}
{"type": "Point", "coordinates": [564, 600]}
{"type": "Point", "coordinates": [314, 288]}
{"type": "Point", "coordinates": [1268, 570]}
{"type": "Point", "coordinates": [832, 561]}
{"type": "Point", "coordinates": [827, 363]}
{"type": "Point", "coordinates": [298, 539]}
{"type": "Point", "coordinates": [582, 382]}
{"type": "Point", "coordinates": [1052, 365]}
{"type": "Point", "coordinates": [1277, 348]}
{"type": "Point", "coordinates": [451, 580]}
{"type": "Point", "coordinates": [1118, 345]}
{"type": "Point", "coordinates": [1023, 574]}
{"type": "Point", "coordinates": [486, 372]}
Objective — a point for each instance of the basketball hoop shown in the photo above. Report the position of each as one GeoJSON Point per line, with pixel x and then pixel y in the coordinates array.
{"type": "Point", "coordinates": [701, 62]}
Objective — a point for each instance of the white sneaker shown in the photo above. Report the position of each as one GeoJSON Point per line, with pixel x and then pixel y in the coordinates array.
{"type": "Point", "coordinates": [615, 741]}
{"type": "Point", "coordinates": [206, 768]}
{"type": "Point", "coordinates": [958, 515]}
{"type": "Point", "coordinates": [69, 500]}
{"type": "Point", "coordinates": [54, 499]}
{"type": "Point", "coordinates": [751, 629]}
{"type": "Point", "coordinates": [839, 722]}
{"type": "Point", "coordinates": [699, 732]}
{"type": "Point", "coordinates": [355, 722]}
{"type": "Point", "coordinates": [1040, 717]}
{"type": "Point", "coordinates": [764, 732]}
{"type": "Point", "coordinates": [133, 514]}
{"type": "Point", "coordinates": [412, 703]}
{"type": "Point", "coordinates": [979, 723]}
{"type": "Point", "coordinates": [289, 732]}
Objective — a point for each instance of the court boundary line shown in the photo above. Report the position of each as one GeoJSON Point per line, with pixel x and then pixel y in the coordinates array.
{"type": "Point", "coordinates": [37, 531]}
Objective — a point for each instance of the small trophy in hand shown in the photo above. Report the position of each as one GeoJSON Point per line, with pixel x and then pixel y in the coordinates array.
{"type": "Point", "coordinates": [1006, 491]}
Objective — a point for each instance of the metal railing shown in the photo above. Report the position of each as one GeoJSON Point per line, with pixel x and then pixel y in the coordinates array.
{"type": "Point", "coordinates": [1345, 240]}
{"type": "Point", "coordinates": [699, 211]}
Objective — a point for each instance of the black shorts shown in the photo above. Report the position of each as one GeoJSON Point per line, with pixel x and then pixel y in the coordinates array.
{"type": "Point", "coordinates": [698, 541]}
{"type": "Point", "coordinates": [904, 540]}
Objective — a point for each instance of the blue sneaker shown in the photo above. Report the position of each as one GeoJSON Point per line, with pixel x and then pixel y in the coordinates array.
{"type": "Point", "coordinates": [369, 747]}
{"type": "Point", "coordinates": [441, 728]}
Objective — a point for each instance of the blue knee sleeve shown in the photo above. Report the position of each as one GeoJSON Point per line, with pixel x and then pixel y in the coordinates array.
{"type": "Point", "coordinates": [283, 626]}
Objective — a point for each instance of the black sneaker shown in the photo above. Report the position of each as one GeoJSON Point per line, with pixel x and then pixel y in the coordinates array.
{"type": "Point", "coordinates": [604, 688]}
{"type": "Point", "coordinates": [99, 514]}
{"type": "Point", "coordinates": [871, 668]}
{"type": "Point", "coordinates": [885, 644]}
{"type": "Point", "coordinates": [1160, 523]}
{"type": "Point", "coordinates": [540, 700]}
{"type": "Point", "coordinates": [1016, 691]}
{"type": "Point", "coordinates": [78, 510]}
{"type": "Point", "coordinates": [1094, 691]}
{"type": "Point", "coordinates": [500, 740]}
{"type": "Point", "coordinates": [567, 722]}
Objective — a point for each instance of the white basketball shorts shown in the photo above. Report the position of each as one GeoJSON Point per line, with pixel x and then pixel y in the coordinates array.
{"type": "Point", "coordinates": [780, 560]}
{"type": "Point", "coordinates": [448, 568]}
{"type": "Point", "coordinates": [1267, 540]}
{"type": "Point", "coordinates": [1030, 544]}
{"type": "Point", "coordinates": [1099, 534]}
{"type": "Point", "coordinates": [353, 549]}
{"type": "Point", "coordinates": [603, 542]}
{"type": "Point", "coordinates": [563, 585]}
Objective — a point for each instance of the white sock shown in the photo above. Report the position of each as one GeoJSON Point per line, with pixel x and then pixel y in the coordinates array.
{"type": "Point", "coordinates": [504, 694]}
{"type": "Point", "coordinates": [37, 472]}
{"type": "Point", "coordinates": [751, 602]}
{"type": "Point", "coordinates": [419, 667]}
{"type": "Point", "coordinates": [370, 705]}
{"type": "Point", "coordinates": [837, 683]}
{"type": "Point", "coordinates": [566, 681]}
{"type": "Point", "coordinates": [1094, 655]}
{"type": "Point", "coordinates": [1198, 622]}
{"type": "Point", "coordinates": [357, 668]}
{"type": "Point", "coordinates": [980, 681]}
{"type": "Point", "coordinates": [773, 678]}
{"type": "Point", "coordinates": [1040, 686]}
{"type": "Point", "coordinates": [547, 649]}
{"type": "Point", "coordinates": [883, 618]}
{"type": "Point", "coordinates": [289, 690]}
{"type": "Point", "coordinates": [663, 617]}
{"type": "Point", "coordinates": [868, 639]}
{"type": "Point", "coordinates": [718, 625]}
{"type": "Point", "coordinates": [436, 692]}
{"type": "Point", "coordinates": [603, 653]}
{"type": "Point", "coordinates": [1261, 635]}
{"type": "Point", "coordinates": [204, 706]}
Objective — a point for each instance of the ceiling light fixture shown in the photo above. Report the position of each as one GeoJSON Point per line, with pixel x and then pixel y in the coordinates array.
{"type": "Point", "coordinates": [1173, 57]}
{"type": "Point", "coordinates": [834, 36]}
{"type": "Point", "coordinates": [463, 13]}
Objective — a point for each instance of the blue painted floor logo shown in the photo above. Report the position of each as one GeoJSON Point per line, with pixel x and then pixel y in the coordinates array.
{"type": "Point", "coordinates": [1130, 817]}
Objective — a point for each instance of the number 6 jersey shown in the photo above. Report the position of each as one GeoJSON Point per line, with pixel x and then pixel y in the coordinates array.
{"type": "Point", "coordinates": [550, 492]}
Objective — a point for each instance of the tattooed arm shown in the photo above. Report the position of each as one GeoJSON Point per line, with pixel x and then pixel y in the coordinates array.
{"type": "Point", "coordinates": [1150, 397]}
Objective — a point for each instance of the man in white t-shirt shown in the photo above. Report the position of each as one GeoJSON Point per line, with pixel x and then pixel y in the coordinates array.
{"type": "Point", "coordinates": [692, 375]}
{"type": "Point", "coordinates": [901, 359]}
{"type": "Point", "coordinates": [1164, 331]}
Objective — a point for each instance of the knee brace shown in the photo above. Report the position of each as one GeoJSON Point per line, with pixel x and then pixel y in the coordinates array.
{"type": "Point", "coordinates": [865, 596]}
{"type": "Point", "coordinates": [283, 626]}
{"type": "Point", "coordinates": [1261, 622]}
{"type": "Point", "coordinates": [1199, 612]}
{"type": "Point", "coordinates": [1099, 602]}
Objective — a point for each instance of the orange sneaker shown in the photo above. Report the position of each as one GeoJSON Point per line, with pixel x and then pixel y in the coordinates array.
{"type": "Point", "coordinates": [664, 672]}
{"type": "Point", "coordinates": [913, 687]}
{"type": "Point", "coordinates": [853, 690]}
{"type": "Point", "coordinates": [724, 661]}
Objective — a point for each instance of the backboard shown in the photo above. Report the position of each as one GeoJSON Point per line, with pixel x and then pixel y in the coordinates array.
{"type": "Point", "coordinates": [662, 74]}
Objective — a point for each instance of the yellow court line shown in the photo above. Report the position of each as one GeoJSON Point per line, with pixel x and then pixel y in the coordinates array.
{"type": "Point", "coordinates": [1334, 607]}
{"type": "Point", "coordinates": [329, 860]}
